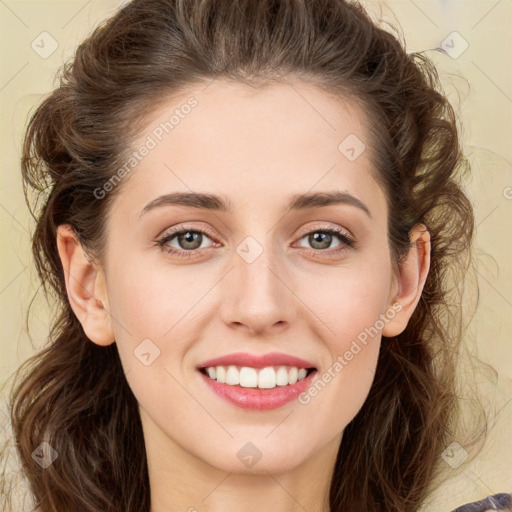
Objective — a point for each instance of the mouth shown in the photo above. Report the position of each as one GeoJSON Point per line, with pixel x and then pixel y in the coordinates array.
{"type": "Point", "coordinates": [257, 389]}
{"type": "Point", "coordinates": [268, 377]}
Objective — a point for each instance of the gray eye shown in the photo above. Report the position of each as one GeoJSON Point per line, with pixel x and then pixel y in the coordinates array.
{"type": "Point", "coordinates": [321, 239]}
{"type": "Point", "coordinates": [188, 240]}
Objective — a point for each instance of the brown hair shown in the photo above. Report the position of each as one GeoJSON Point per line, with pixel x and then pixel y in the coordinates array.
{"type": "Point", "coordinates": [74, 394]}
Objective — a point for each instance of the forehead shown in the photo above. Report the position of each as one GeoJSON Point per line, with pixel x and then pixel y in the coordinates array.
{"type": "Point", "coordinates": [282, 139]}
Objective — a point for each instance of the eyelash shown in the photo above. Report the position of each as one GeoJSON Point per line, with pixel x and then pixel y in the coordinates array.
{"type": "Point", "coordinates": [342, 236]}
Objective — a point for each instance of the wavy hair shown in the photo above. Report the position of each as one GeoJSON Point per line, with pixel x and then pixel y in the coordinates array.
{"type": "Point", "coordinates": [74, 394]}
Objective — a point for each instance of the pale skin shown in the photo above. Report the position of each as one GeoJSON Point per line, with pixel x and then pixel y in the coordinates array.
{"type": "Point", "coordinates": [255, 148]}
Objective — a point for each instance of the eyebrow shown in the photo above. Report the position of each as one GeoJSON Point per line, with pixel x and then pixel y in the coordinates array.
{"type": "Point", "coordinates": [223, 204]}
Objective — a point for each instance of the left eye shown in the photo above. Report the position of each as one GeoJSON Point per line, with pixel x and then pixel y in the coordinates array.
{"type": "Point", "coordinates": [323, 238]}
{"type": "Point", "coordinates": [320, 239]}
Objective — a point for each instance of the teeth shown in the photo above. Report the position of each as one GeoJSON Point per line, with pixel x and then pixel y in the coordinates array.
{"type": "Point", "coordinates": [282, 377]}
{"type": "Point", "coordinates": [221, 373]}
{"type": "Point", "coordinates": [267, 378]}
{"type": "Point", "coordinates": [232, 376]}
{"type": "Point", "coordinates": [264, 378]}
{"type": "Point", "coordinates": [248, 377]}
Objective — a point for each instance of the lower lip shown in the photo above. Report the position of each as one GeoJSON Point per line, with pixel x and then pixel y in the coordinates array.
{"type": "Point", "coordinates": [256, 398]}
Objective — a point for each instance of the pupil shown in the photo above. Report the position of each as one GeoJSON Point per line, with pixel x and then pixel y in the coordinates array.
{"type": "Point", "coordinates": [189, 238]}
{"type": "Point", "coordinates": [317, 238]}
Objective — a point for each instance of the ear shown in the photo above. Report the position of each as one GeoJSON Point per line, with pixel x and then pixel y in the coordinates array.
{"type": "Point", "coordinates": [413, 273]}
{"type": "Point", "coordinates": [86, 287]}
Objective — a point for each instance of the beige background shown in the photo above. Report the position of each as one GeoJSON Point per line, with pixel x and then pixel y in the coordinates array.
{"type": "Point", "coordinates": [478, 82]}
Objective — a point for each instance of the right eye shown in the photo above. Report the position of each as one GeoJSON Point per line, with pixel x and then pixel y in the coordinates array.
{"type": "Point", "coordinates": [188, 240]}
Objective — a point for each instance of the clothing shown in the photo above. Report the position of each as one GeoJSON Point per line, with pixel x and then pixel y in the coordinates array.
{"type": "Point", "coordinates": [500, 501]}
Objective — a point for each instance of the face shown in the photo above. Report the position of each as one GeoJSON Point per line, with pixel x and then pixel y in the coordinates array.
{"type": "Point", "coordinates": [257, 270]}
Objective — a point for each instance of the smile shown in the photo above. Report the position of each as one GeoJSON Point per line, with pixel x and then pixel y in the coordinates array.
{"type": "Point", "coordinates": [262, 378]}
{"type": "Point", "coordinates": [254, 396]}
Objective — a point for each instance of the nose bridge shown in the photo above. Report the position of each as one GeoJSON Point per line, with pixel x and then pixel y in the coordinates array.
{"type": "Point", "coordinates": [259, 297]}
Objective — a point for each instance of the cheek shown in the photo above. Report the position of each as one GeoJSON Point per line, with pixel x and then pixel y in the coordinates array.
{"type": "Point", "coordinates": [349, 300]}
{"type": "Point", "coordinates": [342, 386]}
{"type": "Point", "coordinates": [352, 317]}
{"type": "Point", "coordinates": [150, 315]}
{"type": "Point", "coordinates": [158, 312]}
{"type": "Point", "coordinates": [146, 300]}
{"type": "Point", "coordinates": [147, 312]}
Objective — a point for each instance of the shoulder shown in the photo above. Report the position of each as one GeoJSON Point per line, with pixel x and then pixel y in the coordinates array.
{"type": "Point", "coordinates": [502, 501]}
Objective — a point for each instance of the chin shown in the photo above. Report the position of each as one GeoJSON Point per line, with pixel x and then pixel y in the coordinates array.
{"type": "Point", "coordinates": [258, 458]}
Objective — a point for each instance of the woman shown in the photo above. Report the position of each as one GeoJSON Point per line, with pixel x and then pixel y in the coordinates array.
{"type": "Point", "coordinates": [252, 213]}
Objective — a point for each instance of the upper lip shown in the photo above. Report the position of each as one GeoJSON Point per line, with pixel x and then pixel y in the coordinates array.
{"type": "Point", "coordinates": [257, 361]}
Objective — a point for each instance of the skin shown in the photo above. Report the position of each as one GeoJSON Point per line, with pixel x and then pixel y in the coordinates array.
{"type": "Point", "coordinates": [256, 148]}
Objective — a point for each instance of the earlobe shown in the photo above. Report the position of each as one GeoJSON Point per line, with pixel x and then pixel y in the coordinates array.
{"type": "Point", "coordinates": [85, 286]}
{"type": "Point", "coordinates": [411, 280]}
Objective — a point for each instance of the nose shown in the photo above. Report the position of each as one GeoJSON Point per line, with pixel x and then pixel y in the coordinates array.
{"type": "Point", "coordinates": [258, 295]}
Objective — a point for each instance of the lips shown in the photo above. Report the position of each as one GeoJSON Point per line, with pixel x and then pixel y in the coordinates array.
{"type": "Point", "coordinates": [246, 396]}
{"type": "Point", "coordinates": [258, 361]}
{"type": "Point", "coordinates": [258, 399]}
